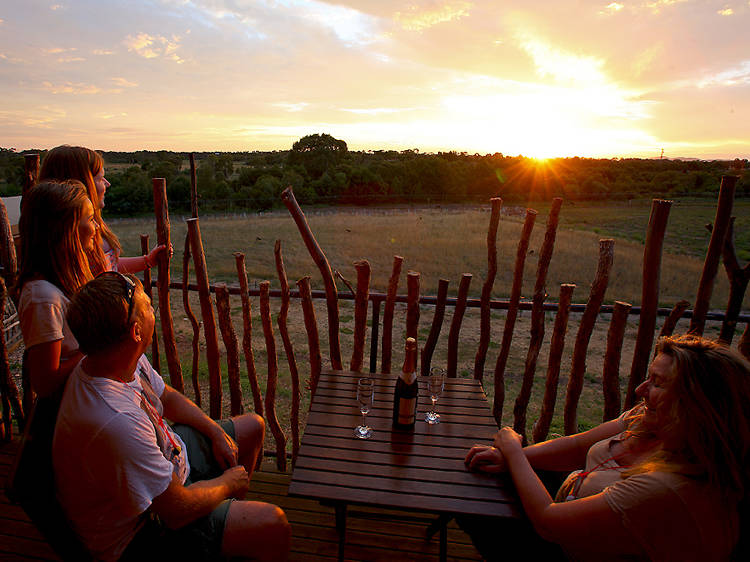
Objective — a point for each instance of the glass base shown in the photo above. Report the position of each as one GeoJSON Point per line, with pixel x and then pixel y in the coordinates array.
{"type": "Point", "coordinates": [363, 432]}
{"type": "Point", "coordinates": [432, 418]}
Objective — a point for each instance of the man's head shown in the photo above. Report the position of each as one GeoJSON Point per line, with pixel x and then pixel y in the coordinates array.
{"type": "Point", "coordinates": [111, 311]}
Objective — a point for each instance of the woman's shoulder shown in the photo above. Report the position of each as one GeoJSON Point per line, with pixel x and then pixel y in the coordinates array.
{"type": "Point", "coordinates": [41, 291]}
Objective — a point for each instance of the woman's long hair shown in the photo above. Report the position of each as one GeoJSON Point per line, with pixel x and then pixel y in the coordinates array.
{"type": "Point", "coordinates": [83, 164]}
{"type": "Point", "coordinates": [708, 431]}
{"type": "Point", "coordinates": [50, 245]}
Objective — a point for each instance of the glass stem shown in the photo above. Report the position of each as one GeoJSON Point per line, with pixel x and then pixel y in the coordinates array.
{"type": "Point", "coordinates": [364, 420]}
{"type": "Point", "coordinates": [434, 401]}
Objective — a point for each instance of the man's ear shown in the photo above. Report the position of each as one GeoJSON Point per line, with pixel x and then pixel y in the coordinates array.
{"type": "Point", "coordinates": [136, 332]}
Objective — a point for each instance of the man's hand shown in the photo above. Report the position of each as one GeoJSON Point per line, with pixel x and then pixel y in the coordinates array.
{"type": "Point", "coordinates": [224, 449]}
{"type": "Point", "coordinates": [238, 481]}
{"type": "Point", "coordinates": [485, 459]}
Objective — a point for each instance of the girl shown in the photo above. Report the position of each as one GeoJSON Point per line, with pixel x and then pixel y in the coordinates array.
{"type": "Point", "coordinates": [87, 166]}
{"type": "Point", "coordinates": [667, 480]}
{"type": "Point", "coordinates": [58, 230]}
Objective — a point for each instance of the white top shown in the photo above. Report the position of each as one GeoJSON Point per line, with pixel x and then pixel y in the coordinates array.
{"type": "Point", "coordinates": [41, 310]}
{"type": "Point", "coordinates": [112, 255]}
{"type": "Point", "coordinates": [109, 460]}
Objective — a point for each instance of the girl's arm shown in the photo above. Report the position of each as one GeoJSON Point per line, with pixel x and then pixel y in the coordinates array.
{"type": "Point", "coordinates": [588, 524]}
{"type": "Point", "coordinates": [562, 454]}
{"type": "Point", "coordinates": [139, 263]}
{"type": "Point", "coordinates": [46, 370]}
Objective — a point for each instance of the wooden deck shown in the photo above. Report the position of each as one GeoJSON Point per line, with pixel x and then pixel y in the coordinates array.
{"type": "Point", "coordinates": [372, 534]}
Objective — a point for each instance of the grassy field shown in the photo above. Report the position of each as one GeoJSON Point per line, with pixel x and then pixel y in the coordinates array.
{"type": "Point", "coordinates": [444, 243]}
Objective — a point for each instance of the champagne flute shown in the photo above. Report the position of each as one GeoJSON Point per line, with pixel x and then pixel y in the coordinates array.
{"type": "Point", "coordinates": [365, 390]}
{"type": "Point", "coordinates": [435, 385]}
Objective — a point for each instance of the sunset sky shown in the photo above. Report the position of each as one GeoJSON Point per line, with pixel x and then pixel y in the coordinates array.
{"type": "Point", "coordinates": [540, 78]}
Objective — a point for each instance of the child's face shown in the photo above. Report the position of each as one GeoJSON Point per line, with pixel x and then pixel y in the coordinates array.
{"type": "Point", "coordinates": [87, 226]}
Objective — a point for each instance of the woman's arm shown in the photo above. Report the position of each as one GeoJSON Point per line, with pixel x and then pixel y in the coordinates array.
{"type": "Point", "coordinates": [47, 371]}
{"type": "Point", "coordinates": [139, 263]}
{"type": "Point", "coordinates": [585, 524]}
{"type": "Point", "coordinates": [568, 453]}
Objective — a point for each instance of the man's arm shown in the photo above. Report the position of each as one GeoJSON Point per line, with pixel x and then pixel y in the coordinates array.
{"type": "Point", "coordinates": [179, 505]}
{"type": "Point", "coordinates": [180, 409]}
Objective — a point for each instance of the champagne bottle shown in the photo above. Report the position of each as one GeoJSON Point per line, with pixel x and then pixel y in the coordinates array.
{"type": "Point", "coordinates": [405, 393]}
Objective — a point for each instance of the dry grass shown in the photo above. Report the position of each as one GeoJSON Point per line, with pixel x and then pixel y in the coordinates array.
{"type": "Point", "coordinates": [437, 243]}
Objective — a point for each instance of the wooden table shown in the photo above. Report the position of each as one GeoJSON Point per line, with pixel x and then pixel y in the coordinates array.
{"type": "Point", "coordinates": [421, 470]}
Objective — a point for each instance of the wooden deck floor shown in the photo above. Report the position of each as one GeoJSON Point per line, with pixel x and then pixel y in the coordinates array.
{"type": "Point", "coordinates": [372, 534]}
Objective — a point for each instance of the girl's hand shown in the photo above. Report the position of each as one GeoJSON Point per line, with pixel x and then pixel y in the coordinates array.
{"type": "Point", "coordinates": [485, 459]}
{"type": "Point", "coordinates": [507, 440]}
{"type": "Point", "coordinates": [153, 256]}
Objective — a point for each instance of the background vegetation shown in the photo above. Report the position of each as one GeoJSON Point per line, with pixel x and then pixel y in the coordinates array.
{"type": "Point", "coordinates": [322, 170]}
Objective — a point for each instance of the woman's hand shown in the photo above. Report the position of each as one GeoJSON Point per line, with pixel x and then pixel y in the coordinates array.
{"type": "Point", "coordinates": [153, 256]}
{"type": "Point", "coordinates": [485, 459]}
{"type": "Point", "coordinates": [508, 440]}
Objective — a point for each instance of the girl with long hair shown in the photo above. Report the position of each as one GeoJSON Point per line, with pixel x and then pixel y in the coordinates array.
{"type": "Point", "coordinates": [87, 166]}
{"type": "Point", "coordinates": [667, 480]}
{"type": "Point", "coordinates": [58, 229]}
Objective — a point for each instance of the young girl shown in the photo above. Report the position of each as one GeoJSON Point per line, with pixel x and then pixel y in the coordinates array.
{"type": "Point", "coordinates": [58, 230]}
{"type": "Point", "coordinates": [87, 166]}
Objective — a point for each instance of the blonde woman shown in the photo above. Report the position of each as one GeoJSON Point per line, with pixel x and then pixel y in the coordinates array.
{"type": "Point", "coordinates": [58, 230]}
{"type": "Point", "coordinates": [667, 480]}
{"type": "Point", "coordinates": [87, 166]}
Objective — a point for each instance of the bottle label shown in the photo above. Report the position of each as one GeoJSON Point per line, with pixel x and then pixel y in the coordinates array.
{"type": "Point", "coordinates": [406, 410]}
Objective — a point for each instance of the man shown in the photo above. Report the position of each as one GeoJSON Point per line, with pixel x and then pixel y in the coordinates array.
{"type": "Point", "coordinates": [132, 486]}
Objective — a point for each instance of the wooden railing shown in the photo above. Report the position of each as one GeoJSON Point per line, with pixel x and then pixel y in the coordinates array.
{"type": "Point", "coordinates": [590, 312]}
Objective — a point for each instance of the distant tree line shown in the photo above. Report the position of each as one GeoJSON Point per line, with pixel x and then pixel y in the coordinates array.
{"type": "Point", "coordinates": [321, 170]}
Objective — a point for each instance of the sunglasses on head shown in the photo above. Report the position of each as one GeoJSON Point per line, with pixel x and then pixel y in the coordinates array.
{"type": "Point", "coordinates": [129, 285]}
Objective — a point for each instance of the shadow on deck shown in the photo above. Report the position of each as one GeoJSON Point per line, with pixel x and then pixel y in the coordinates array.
{"type": "Point", "coordinates": [372, 534]}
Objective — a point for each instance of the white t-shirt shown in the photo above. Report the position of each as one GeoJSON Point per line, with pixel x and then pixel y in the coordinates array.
{"type": "Point", "coordinates": [109, 460]}
{"type": "Point", "coordinates": [41, 311]}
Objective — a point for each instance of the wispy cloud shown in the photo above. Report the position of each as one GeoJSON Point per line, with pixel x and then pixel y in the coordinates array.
{"type": "Point", "coordinates": [153, 46]}
{"type": "Point", "coordinates": [417, 18]}
{"type": "Point", "coordinates": [291, 107]}
{"type": "Point", "coordinates": [726, 12]}
{"type": "Point", "coordinates": [124, 83]}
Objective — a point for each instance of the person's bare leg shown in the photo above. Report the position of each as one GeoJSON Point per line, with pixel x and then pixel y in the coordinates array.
{"type": "Point", "coordinates": [256, 531]}
{"type": "Point", "coordinates": [249, 431]}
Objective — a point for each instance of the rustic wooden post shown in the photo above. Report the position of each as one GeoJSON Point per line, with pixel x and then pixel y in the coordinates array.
{"type": "Point", "coordinates": [273, 374]}
{"type": "Point", "coordinates": [193, 188]}
{"type": "Point", "coordinates": [412, 305]}
{"type": "Point", "coordinates": [360, 314]}
{"type": "Point", "coordinates": [161, 210]}
{"type": "Point", "coordinates": [489, 282]}
{"type": "Point", "coordinates": [288, 349]}
{"type": "Point", "coordinates": [325, 270]}
{"type": "Point", "coordinates": [209, 323]}
{"type": "Point", "coordinates": [557, 344]}
{"type": "Point", "coordinates": [375, 322]}
{"type": "Point", "coordinates": [510, 319]}
{"type": "Point", "coordinates": [738, 280]}
{"type": "Point", "coordinates": [611, 371]}
{"type": "Point", "coordinates": [31, 172]}
{"type": "Point", "coordinates": [223, 311]}
{"type": "Point", "coordinates": [247, 333]}
{"type": "Point", "coordinates": [311, 327]}
{"type": "Point", "coordinates": [194, 323]}
{"type": "Point", "coordinates": [458, 316]}
{"type": "Point", "coordinates": [657, 226]}
{"type": "Point", "coordinates": [437, 324]}
{"type": "Point", "coordinates": [713, 254]}
{"type": "Point", "coordinates": [148, 289]}
{"type": "Point", "coordinates": [674, 316]}
{"type": "Point", "coordinates": [590, 314]}
{"type": "Point", "coordinates": [744, 345]}
{"type": "Point", "coordinates": [7, 248]}
{"type": "Point", "coordinates": [8, 389]}
{"type": "Point", "coordinates": [537, 320]}
{"type": "Point", "coordinates": [390, 304]}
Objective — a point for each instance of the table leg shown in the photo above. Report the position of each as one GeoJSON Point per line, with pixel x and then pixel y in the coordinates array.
{"type": "Point", "coordinates": [444, 543]}
{"type": "Point", "coordinates": [341, 527]}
